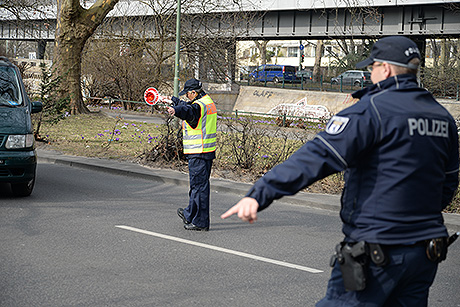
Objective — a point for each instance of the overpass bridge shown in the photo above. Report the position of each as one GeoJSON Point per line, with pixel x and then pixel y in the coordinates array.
{"type": "Point", "coordinates": [274, 19]}
{"type": "Point", "coordinates": [265, 20]}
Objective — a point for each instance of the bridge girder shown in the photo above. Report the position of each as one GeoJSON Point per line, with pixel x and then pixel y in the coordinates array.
{"type": "Point", "coordinates": [436, 20]}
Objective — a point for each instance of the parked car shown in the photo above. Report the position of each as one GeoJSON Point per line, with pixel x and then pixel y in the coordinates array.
{"type": "Point", "coordinates": [355, 77]}
{"type": "Point", "coordinates": [18, 160]}
{"type": "Point", "coordinates": [306, 75]}
{"type": "Point", "coordinates": [273, 73]}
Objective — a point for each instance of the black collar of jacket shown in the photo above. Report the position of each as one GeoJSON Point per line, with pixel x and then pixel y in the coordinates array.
{"type": "Point", "coordinates": [200, 95]}
{"type": "Point", "coordinates": [397, 81]}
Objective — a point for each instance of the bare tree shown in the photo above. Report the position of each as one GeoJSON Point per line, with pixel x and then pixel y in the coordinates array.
{"type": "Point", "coordinates": [75, 25]}
{"type": "Point", "coordinates": [207, 46]}
{"type": "Point", "coordinates": [124, 58]}
{"type": "Point", "coordinates": [441, 74]}
{"type": "Point", "coordinates": [20, 8]}
{"type": "Point", "coordinates": [262, 47]}
{"type": "Point", "coordinates": [116, 70]}
{"type": "Point", "coordinates": [350, 52]}
{"type": "Point", "coordinates": [209, 40]}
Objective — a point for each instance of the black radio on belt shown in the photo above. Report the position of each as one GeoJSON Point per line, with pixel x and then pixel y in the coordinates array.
{"type": "Point", "coordinates": [436, 249]}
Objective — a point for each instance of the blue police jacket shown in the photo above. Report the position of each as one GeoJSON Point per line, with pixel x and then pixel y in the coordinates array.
{"type": "Point", "coordinates": [399, 148]}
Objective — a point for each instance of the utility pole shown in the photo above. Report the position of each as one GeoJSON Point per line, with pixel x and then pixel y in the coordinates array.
{"type": "Point", "coordinates": [176, 64]}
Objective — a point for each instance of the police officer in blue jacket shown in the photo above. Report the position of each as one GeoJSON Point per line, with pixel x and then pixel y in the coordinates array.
{"type": "Point", "coordinates": [199, 126]}
{"type": "Point", "coordinates": [399, 149]}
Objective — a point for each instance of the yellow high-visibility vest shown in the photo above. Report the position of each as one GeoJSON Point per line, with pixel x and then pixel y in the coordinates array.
{"type": "Point", "coordinates": [202, 139]}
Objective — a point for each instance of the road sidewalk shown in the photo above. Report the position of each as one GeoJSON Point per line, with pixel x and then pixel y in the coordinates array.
{"type": "Point", "coordinates": [320, 201]}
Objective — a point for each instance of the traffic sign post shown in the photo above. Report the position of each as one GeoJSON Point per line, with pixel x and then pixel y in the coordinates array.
{"type": "Point", "coordinates": [301, 47]}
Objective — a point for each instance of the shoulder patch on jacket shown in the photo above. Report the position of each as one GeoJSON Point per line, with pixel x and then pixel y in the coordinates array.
{"type": "Point", "coordinates": [337, 124]}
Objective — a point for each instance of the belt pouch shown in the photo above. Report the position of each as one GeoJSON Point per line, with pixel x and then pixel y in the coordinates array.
{"type": "Point", "coordinates": [436, 249]}
{"type": "Point", "coordinates": [354, 269]}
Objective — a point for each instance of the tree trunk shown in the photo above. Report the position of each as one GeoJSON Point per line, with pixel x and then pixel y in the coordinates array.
{"type": "Point", "coordinates": [317, 66]}
{"type": "Point", "coordinates": [457, 53]}
{"type": "Point", "coordinates": [69, 68]}
{"type": "Point", "coordinates": [443, 57]}
{"type": "Point", "coordinates": [75, 25]}
{"type": "Point", "coordinates": [262, 47]}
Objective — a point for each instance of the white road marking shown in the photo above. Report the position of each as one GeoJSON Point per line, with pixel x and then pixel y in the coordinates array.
{"type": "Point", "coordinates": [220, 249]}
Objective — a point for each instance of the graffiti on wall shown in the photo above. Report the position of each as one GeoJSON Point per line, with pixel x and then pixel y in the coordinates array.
{"type": "Point", "coordinates": [302, 109]}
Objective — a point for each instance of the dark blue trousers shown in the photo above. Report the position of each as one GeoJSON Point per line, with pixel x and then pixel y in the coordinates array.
{"type": "Point", "coordinates": [197, 211]}
{"type": "Point", "coordinates": [405, 281]}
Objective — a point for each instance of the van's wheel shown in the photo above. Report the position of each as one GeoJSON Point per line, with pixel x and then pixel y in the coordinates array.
{"type": "Point", "coordinates": [276, 80]}
{"type": "Point", "coordinates": [335, 83]}
{"type": "Point", "coordinates": [23, 189]}
{"type": "Point", "coordinates": [357, 83]}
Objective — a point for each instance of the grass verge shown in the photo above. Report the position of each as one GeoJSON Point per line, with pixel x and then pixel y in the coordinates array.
{"type": "Point", "coordinates": [98, 135]}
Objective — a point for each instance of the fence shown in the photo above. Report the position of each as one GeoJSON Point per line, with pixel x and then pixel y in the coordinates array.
{"type": "Point", "coordinates": [448, 90]}
{"type": "Point", "coordinates": [281, 118]}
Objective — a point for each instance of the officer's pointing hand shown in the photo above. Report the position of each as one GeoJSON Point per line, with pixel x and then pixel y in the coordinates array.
{"type": "Point", "coordinates": [246, 209]}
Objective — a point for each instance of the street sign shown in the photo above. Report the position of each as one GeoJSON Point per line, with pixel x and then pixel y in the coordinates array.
{"type": "Point", "coordinates": [151, 96]}
{"type": "Point", "coordinates": [301, 47]}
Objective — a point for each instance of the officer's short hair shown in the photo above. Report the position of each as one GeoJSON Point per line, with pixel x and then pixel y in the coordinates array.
{"type": "Point", "coordinates": [399, 70]}
{"type": "Point", "coordinates": [199, 91]}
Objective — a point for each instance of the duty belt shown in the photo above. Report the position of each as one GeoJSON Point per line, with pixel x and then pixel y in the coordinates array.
{"type": "Point", "coordinates": [354, 257]}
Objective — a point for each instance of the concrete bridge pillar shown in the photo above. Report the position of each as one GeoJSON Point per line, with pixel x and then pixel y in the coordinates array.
{"type": "Point", "coordinates": [421, 44]}
{"type": "Point", "coordinates": [41, 47]}
{"type": "Point", "coordinates": [231, 60]}
{"type": "Point", "coordinates": [207, 63]}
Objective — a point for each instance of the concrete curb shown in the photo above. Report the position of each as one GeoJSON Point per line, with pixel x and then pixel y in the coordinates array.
{"type": "Point", "coordinates": [319, 201]}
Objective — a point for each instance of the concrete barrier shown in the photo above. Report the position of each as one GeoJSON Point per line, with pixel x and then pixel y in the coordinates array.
{"type": "Point", "coordinates": [224, 101]}
{"type": "Point", "coordinates": [452, 106]}
{"type": "Point", "coordinates": [263, 99]}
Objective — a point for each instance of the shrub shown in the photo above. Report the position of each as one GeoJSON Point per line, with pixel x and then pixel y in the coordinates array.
{"type": "Point", "coordinates": [54, 108]}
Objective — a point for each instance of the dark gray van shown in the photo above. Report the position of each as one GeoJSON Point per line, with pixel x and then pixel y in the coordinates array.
{"type": "Point", "coordinates": [355, 77]}
{"type": "Point", "coordinates": [18, 160]}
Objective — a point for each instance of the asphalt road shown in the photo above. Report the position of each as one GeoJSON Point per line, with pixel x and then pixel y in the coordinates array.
{"type": "Point", "coordinates": [88, 238]}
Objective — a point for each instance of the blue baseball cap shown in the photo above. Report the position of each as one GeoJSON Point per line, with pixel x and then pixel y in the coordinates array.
{"type": "Point", "coordinates": [396, 50]}
{"type": "Point", "coordinates": [191, 85]}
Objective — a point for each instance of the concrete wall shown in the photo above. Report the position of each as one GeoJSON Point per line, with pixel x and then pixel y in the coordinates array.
{"type": "Point", "coordinates": [224, 101]}
{"type": "Point", "coordinates": [452, 106]}
{"type": "Point", "coordinates": [223, 95]}
{"type": "Point", "coordinates": [263, 99]}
